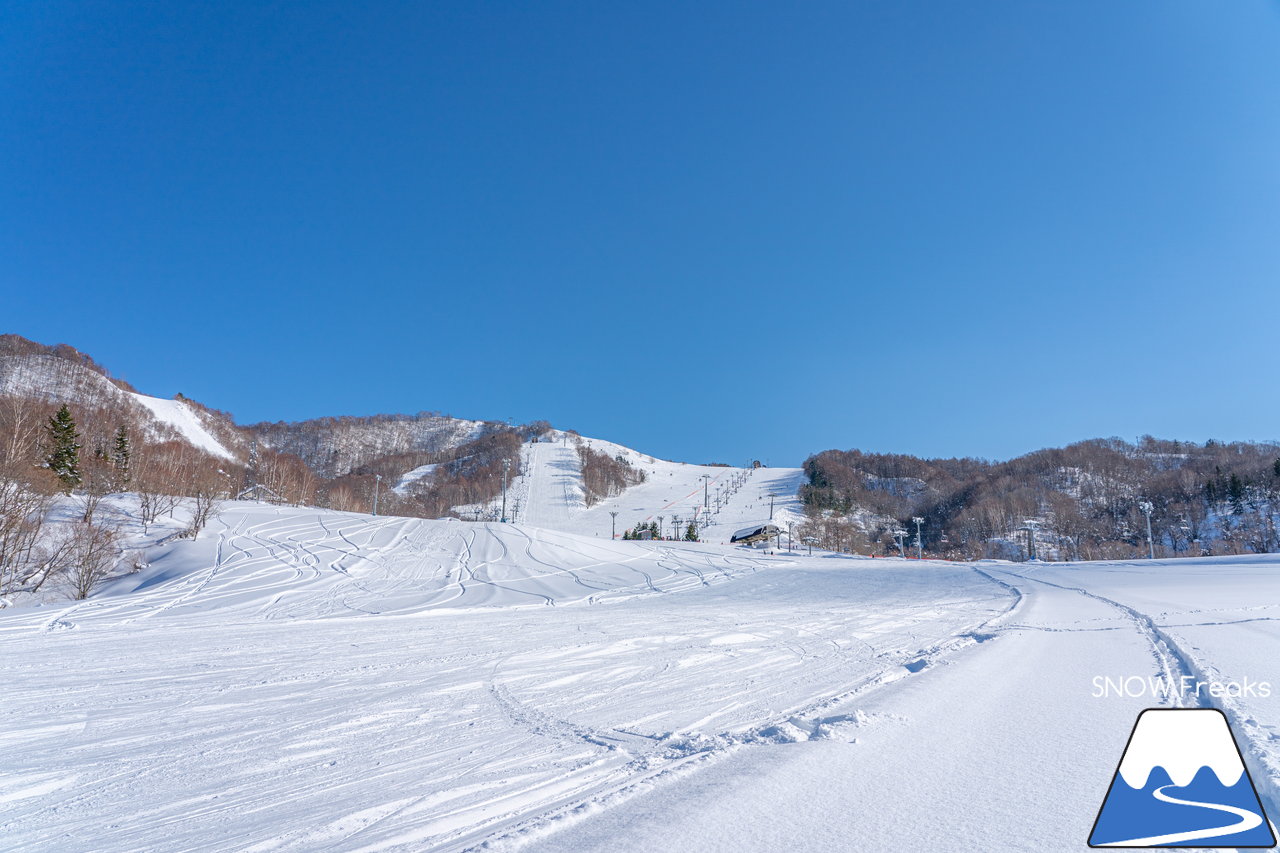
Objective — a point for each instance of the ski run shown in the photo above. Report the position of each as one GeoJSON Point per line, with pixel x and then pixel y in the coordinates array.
{"type": "Point", "coordinates": [303, 679]}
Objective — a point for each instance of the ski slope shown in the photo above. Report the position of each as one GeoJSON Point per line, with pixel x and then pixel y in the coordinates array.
{"type": "Point", "coordinates": [549, 493]}
{"type": "Point", "coordinates": [299, 679]}
{"type": "Point", "coordinates": [185, 420]}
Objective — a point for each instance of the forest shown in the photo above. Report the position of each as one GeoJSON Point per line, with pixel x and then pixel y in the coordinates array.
{"type": "Point", "coordinates": [1088, 501]}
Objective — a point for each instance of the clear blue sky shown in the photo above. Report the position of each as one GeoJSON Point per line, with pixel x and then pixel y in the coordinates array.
{"type": "Point", "coordinates": [707, 230]}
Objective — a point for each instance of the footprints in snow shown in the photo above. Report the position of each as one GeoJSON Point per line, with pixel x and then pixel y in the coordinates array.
{"type": "Point", "coordinates": [649, 750]}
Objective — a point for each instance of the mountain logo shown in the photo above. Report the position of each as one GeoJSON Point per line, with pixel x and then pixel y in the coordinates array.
{"type": "Point", "coordinates": [1182, 783]}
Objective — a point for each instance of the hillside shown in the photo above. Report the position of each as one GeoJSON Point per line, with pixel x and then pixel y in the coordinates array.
{"type": "Point", "coordinates": [336, 446]}
{"type": "Point", "coordinates": [1085, 501]}
{"type": "Point", "coordinates": [333, 462]}
{"type": "Point", "coordinates": [61, 374]}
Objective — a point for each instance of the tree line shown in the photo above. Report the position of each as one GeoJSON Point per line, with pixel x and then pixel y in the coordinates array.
{"type": "Point", "coordinates": [1081, 502]}
{"type": "Point", "coordinates": [47, 454]}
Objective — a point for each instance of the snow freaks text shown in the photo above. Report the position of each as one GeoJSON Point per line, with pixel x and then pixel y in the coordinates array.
{"type": "Point", "coordinates": [1186, 687]}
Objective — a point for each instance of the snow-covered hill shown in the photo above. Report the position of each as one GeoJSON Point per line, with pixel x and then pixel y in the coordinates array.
{"type": "Point", "coordinates": [550, 494]}
{"type": "Point", "coordinates": [59, 379]}
{"type": "Point", "coordinates": [299, 679]}
{"type": "Point", "coordinates": [188, 422]}
{"type": "Point", "coordinates": [336, 446]}
{"type": "Point", "coordinates": [277, 562]}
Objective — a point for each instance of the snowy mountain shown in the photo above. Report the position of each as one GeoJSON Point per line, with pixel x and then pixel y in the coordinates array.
{"type": "Point", "coordinates": [432, 464]}
{"type": "Point", "coordinates": [63, 375]}
{"type": "Point", "coordinates": [339, 445]}
{"type": "Point", "coordinates": [33, 374]}
{"type": "Point", "coordinates": [1181, 780]}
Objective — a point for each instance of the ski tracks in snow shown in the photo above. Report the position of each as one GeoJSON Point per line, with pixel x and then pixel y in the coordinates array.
{"type": "Point", "coordinates": [1172, 664]}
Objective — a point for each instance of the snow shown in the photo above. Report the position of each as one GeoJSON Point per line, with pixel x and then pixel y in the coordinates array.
{"type": "Point", "coordinates": [185, 421]}
{"type": "Point", "coordinates": [300, 679]}
{"type": "Point", "coordinates": [49, 376]}
{"type": "Point", "coordinates": [410, 477]}
{"type": "Point", "coordinates": [550, 493]}
{"type": "Point", "coordinates": [998, 746]}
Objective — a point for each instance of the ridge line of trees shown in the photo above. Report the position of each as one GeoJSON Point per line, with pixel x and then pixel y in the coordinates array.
{"type": "Point", "coordinates": [1080, 502]}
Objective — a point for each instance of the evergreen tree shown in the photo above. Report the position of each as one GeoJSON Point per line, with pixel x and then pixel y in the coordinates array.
{"type": "Point", "coordinates": [1276, 467]}
{"type": "Point", "coordinates": [64, 449]}
{"type": "Point", "coordinates": [120, 460]}
{"type": "Point", "coordinates": [1235, 491]}
{"type": "Point", "coordinates": [691, 533]}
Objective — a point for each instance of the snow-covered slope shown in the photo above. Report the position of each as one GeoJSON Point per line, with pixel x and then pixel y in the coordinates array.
{"type": "Point", "coordinates": [186, 421]}
{"type": "Point", "coordinates": [300, 679]}
{"type": "Point", "coordinates": [550, 493]}
{"type": "Point", "coordinates": [274, 563]}
{"type": "Point", "coordinates": [60, 379]}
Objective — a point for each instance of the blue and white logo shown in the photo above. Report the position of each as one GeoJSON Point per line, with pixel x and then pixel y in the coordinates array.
{"type": "Point", "coordinates": [1182, 783]}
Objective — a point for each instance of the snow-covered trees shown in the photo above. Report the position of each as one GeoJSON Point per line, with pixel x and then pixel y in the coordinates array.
{"type": "Point", "coordinates": [27, 491]}
{"type": "Point", "coordinates": [472, 475]}
{"type": "Point", "coordinates": [25, 554]}
{"type": "Point", "coordinates": [335, 447]}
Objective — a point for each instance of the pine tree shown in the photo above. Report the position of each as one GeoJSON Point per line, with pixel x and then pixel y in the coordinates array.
{"type": "Point", "coordinates": [1235, 491]}
{"type": "Point", "coordinates": [1276, 467]}
{"type": "Point", "coordinates": [64, 449]}
{"type": "Point", "coordinates": [691, 532]}
{"type": "Point", "coordinates": [120, 460]}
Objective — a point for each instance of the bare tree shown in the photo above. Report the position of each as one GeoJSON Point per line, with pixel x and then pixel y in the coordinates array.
{"type": "Point", "coordinates": [207, 485]}
{"type": "Point", "coordinates": [92, 552]}
{"type": "Point", "coordinates": [156, 477]}
{"type": "Point", "coordinates": [97, 480]}
{"type": "Point", "coordinates": [26, 496]}
{"type": "Point", "coordinates": [23, 558]}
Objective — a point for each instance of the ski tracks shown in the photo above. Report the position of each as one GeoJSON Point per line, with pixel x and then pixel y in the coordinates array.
{"type": "Point", "coordinates": [1173, 663]}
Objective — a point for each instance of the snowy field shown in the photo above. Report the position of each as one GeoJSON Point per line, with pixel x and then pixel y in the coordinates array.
{"type": "Point", "coordinates": [300, 679]}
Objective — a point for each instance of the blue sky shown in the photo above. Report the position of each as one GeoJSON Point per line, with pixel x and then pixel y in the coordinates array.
{"type": "Point", "coordinates": [711, 231]}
